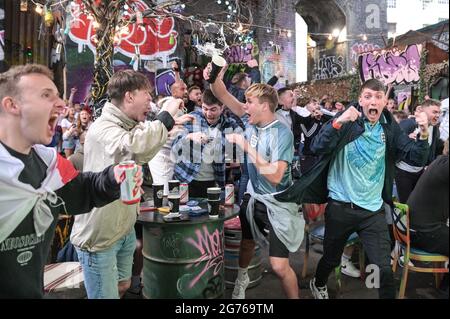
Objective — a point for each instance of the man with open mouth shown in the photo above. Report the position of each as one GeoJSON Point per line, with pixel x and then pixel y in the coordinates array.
{"type": "Point", "coordinates": [105, 240]}
{"type": "Point", "coordinates": [269, 146]}
{"type": "Point", "coordinates": [358, 150]}
{"type": "Point", "coordinates": [36, 183]}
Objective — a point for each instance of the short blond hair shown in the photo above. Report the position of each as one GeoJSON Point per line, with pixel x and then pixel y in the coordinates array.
{"type": "Point", "coordinates": [264, 93]}
{"type": "Point", "coordinates": [9, 79]}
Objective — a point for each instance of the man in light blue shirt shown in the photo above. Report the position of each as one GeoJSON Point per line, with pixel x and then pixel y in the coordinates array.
{"type": "Point", "coordinates": [268, 145]}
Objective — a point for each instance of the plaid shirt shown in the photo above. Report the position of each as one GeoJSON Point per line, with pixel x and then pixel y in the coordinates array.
{"type": "Point", "coordinates": [188, 167]}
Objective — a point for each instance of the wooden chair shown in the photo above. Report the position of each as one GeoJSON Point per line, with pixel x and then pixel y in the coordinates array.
{"type": "Point", "coordinates": [400, 217]}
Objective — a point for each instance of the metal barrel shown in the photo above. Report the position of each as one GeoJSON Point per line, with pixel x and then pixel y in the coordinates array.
{"type": "Point", "coordinates": [232, 242]}
{"type": "Point", "coordinates": [183, 261]}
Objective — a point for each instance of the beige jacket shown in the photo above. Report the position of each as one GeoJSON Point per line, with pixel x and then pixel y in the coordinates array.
{"type": "Point", "coordinates": [113, 138]}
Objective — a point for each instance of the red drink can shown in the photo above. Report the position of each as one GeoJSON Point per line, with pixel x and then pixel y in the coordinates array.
{"type": "Point", "coordinates": [229, 195]}
{"type": "Point", "coordinates": [129, 192]}
{"type": "Point", "coordinates": [184, 193]}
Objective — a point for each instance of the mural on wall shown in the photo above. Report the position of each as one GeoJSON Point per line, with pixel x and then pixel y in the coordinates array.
{"type": "Point", "coordinates": [329, 67]}
{"type": "Point", "coordinates": [134, 45]}
{"type": "Point", "coordinates": [392, 66]}
{"type": "Point", "coordinates": [359, 48]}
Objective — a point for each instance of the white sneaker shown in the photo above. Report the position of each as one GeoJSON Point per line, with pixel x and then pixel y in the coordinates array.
{"type": "Point", "coordinates": [239, 287]}
{"type": "Point", "coordinates": [318, 292]}
{"type": "Point", "coordinates": [347, 268]}
{"type": "Point", "coordinates": [401, 262]}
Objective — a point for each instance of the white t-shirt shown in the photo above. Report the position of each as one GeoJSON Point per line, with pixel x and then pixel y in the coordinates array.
{"type": "Point", "coordinates": [65, 123]}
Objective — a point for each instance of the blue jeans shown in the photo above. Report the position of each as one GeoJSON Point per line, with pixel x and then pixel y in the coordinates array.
{"type": "Point", "coordinates": [103, 270]}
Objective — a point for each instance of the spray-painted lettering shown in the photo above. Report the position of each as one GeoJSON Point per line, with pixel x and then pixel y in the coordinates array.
{"type": "Point", "coordinates": [330, 67]}
{"type": "Point", "coordinates": [359, 48]}
{"type": "Point", "coordinates": [239, 53]}
{"type": "Point", "coordinates": [392, 66]}
{"type": "Point", "coordinates": [210, 247]}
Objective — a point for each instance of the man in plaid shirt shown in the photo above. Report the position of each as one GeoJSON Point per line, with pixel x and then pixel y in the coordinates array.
{"type": "Point", "coordinates": [200, 149]}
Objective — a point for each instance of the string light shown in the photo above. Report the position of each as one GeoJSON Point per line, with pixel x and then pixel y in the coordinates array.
{"type": "Point", "coordinates": [336, 33]}
{"type": "Point", "coordinates": [39, 9]}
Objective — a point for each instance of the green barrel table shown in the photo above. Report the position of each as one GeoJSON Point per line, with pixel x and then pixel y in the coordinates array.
{"type": "Point", "coordinates": [184, 260]}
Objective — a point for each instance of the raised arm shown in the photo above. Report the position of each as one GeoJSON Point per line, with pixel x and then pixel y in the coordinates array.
{"type": "Point", "coordinates": [220, 91]}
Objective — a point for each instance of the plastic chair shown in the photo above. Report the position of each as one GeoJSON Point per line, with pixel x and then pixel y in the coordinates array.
{"type": "Point", "coordinates": [400, 217]}
{"type": "Point", "coordinates": [318, 234]}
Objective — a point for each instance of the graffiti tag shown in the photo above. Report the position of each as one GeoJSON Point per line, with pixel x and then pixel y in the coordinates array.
{"type": "Point", "coordinates": [330, 67]}
{"type": "Point", "coordinates": [392, 66]}
{"type": "Point", "coordinates": [359, 48]}
{"type": "Point", "coordinates": [239, 53]}
{"type": "Point", "coordinates": [210, 247]}
{"type": "Point", "coordinates": [170, 245]}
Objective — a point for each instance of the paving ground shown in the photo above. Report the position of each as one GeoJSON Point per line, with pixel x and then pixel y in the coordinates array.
{"type": "Point", "coordinates": [420, 286]}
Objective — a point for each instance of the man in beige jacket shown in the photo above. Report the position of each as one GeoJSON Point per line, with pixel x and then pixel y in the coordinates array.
{"type": "Point", "coordinates": [105, 239]}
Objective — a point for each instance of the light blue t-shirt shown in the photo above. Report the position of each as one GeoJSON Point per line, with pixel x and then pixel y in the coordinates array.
{"type": "Point", "coordinates": [357, 173]}
{"type": "Point", "coordinates": [274, 143]}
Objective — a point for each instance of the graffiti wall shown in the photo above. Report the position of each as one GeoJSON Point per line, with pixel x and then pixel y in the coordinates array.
{"type": "Point", "coordinates": [241, 53]}
{"type": "Point", "coordinates": [359, 48]}
{"type": "Point", "coordinates": [329, 67]}
{"type": "Point", "coordinates": [392, 66]}
{"type": "Point", "coordinates": [148, 47]}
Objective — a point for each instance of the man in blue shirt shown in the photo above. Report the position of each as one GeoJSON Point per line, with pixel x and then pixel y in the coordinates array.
{"type": "Point", "coordinates": [269, 147]}
{"type": "Point", "coordinates": [358, 151]}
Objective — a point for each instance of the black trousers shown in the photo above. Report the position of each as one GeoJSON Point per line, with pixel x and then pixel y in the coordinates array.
{"type": "Point", "coordinates": [435, 241]}
{"type": "Point", "coordinates": [341, 220]}
{"type": "Point", "coordinates": [405, 182]}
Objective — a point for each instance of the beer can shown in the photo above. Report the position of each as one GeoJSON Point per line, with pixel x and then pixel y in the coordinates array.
{"type": "Point", "coordinates": [184, 193]}
{"type": "Point", "coordinates": [129, 192]}
{"type": "Point", "coordinates": [229, 195]}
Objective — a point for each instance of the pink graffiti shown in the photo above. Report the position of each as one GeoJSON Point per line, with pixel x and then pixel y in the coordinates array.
{"type": "Point", "coordinates": [359, 48]}
{"type": "Point", "coordinates": [210, 247]}
{"type": "Point", "coordinates": [392, 66]}
{"type": "Point", "coordinates": [238, 53]}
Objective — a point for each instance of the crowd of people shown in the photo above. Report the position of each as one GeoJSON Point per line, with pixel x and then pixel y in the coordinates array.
{"type": "Point", "coordinates": [354, 159]}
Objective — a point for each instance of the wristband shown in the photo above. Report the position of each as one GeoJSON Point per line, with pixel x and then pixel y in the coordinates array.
{"type": "Point", "coordinates": [336, 124]}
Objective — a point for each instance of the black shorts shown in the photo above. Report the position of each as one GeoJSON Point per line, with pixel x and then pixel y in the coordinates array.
{"type": "Point", "coordinates": [276, 247]}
